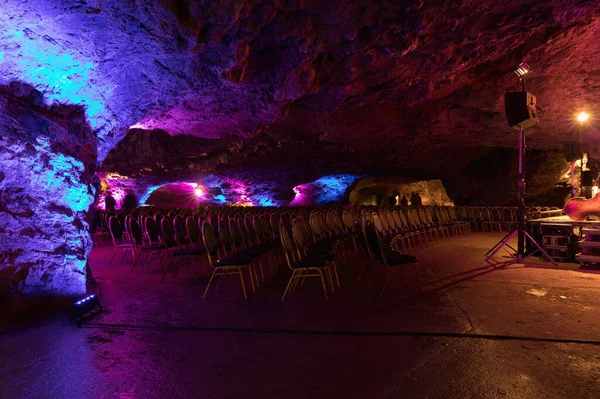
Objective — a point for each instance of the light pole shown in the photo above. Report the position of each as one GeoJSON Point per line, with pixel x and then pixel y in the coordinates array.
{"type": "Point", "coordinates": [582, 117]}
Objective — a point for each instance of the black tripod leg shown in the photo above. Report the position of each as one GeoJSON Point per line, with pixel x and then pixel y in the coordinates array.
{"type": "Point", "coordinates": [500, 245]}
{"type": "Point", "coordinates": [501, 242]}
{"type": "Point", "coordinates": [540, 249]}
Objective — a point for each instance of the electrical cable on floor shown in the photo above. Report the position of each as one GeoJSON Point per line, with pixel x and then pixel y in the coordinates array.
{"type": "Point", "coordinates": [493, 337]}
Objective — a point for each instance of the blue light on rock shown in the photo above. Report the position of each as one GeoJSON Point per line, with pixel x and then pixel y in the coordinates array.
{"type": "Point", "coordinates": [62, 74]}
{"type": "Point", "coordinates": [333, 188]}
{"type": "Point", "coordinates": [325, 190]}
{"type": "Point", "coordinates": [147, 194]}
{"type": "Point", "coordinates": [220, 199]}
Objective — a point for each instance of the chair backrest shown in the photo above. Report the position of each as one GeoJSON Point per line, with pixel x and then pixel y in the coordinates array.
{"type": "Point", "coordinates": [372, 240]}
{"type": "Point", "coordinates": [423, 217]}
{"type": "Point", "coordinates": [397, 221]}
{"type": "Point", "coordinates": [210, 241]}
{"type": "Point", "coordinates": [287, 244]}
{"type": "Point", "coordinates": [429, 217]}
{"type": "Point", "coordinates": [377, 223]}
{"type": "Point", "coordinates": [315, 225]}
{"type": "Point", "coordinates": [192, 229]}
{"type": "Point", "coordinates": [495, 214]}
{"type": "Point", "coordinates": [213, 220]}
{"type": "Point", "coordinates": [347, 219]}
{"type": "Point", "coordinates": [115, 228]}
{"type": "Point", "coordinates": [167, 233]}
{"type": "Point", "coordinates": [391, 223]}
{"type": "Point", "coordinates": [286, 220]}
{"type": "Point", "coordinates": [158, 218]}
{"type": "Point", "coordinates": [339, 223]}
{"type": "Point", "coordinates": [224, 233]}
{"type": "Point", "coordinates": [262, 226]}
{"type": "Point", "coordinates": [236, 233]}
{"type": "Point", "coordinates": [331, 226]}
{"type": "Point", "coordinates": [180, 229]}
{"type": "Point", "coordinates": [152, 229]}
{"type": "Point", "coordinates": [384, 223]}
{"type": "Point", "coordinates": [141, 218]}
{"type": "Point", "coordinates": [412, 220]}
{"type": "Point", "coordinates": [275, 222]}
{"type": "Point", "coordinates": [121, 217]}
{"type": "Point", "coordinates": [251, 233]}
{"type": "Point", "coordinates": [485, 214]}
{"type": "Point", "coordinates": [136, 232]}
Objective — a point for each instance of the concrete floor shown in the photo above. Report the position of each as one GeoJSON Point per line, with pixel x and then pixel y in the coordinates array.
{"type": "Point", "coordinates": [163, 341]}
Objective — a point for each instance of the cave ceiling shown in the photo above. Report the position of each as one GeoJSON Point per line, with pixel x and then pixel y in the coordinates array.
{"type": "Point", "coordinates": [292, 90]}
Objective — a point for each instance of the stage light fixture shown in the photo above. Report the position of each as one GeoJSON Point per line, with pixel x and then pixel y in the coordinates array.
{"type": "Point", "coordinates": [199, 191]}
{"type": "Point", "coordinates": [522, 70]}
{"type": "Point", "coordinates": [83, 307]}
{"type": "Point", "coordinates": [582, 117]}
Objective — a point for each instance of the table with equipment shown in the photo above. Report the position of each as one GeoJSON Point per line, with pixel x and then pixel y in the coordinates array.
{"type": "Point", "coordinates": [567, 240]}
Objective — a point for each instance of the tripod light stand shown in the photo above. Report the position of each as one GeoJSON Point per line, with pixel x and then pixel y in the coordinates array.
{"type": "Point", "coordinates": [524, 114]}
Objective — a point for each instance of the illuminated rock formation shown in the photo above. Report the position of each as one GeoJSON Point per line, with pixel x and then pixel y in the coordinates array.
{"type": "Point", "coordinates": [48, 156]}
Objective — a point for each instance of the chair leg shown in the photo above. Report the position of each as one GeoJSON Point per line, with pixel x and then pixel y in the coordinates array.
{"type": "Point", "coordinates": [337, 277]}
{"type": "Point", "coordinates": [262, 272]}
{"type": "Point", "coordinates": [385, 283]}
{"type": "Point", "coordinates": [242, 281]}
{"type": "Point", "coordinates": [209, 282]}
{"type": "Point", "coordinates": [253, 277]}
{"type": "Point", "coordinates": [418, 276]}
{"type": "Point", "coordinates": [136, 261]}
{"type": "Point", "coordinates": [195, 269]}
{"type": "Point", "coordinates": [297, 279]}
{"type": "Point", "coordinates": [323, 284]}
{"type": "Point", "coordinates": [329, 274]}
{"type": "Point", "coordinates": [287, 288]}
{"type": "Point", "coordinates": [220, 280]}
{"type": "Point", "coordinates": [113, 256]}
{"type": "Point", "coordinates": [362, 269]}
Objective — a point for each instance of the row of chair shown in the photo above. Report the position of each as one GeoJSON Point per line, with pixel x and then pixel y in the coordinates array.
{"type": "Point", "coordinates": [222, 241]}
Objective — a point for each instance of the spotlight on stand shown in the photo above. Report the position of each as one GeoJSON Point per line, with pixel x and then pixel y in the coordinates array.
{"type": "Point", "coordinates": [84, 308]}
{"type": "Point", "coordinates": [521, 113]}
{"type": "Point", "coordinates": [522, 70]}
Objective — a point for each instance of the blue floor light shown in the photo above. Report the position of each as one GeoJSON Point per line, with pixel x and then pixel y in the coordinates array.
{"type": "Point", "coordinates": [85, 307]}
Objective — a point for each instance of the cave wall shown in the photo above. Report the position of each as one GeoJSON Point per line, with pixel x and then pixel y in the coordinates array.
{"type": "Point", "coordinates": [432, 192]}
{"type": "Point", "coordinates": [492, 180]}
{"type": "Point", "coordinates": [47, 158]}
{"type": "Point", "coordinates": [118, 60]}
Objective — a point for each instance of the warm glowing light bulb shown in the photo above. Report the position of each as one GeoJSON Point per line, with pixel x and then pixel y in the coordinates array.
{"type": "Point", "coordinates": [582, 117]}
{"type": "Point", "coordinates": [199, 191]}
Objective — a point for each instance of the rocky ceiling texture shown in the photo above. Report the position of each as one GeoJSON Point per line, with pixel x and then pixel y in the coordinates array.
{"type": "Point", "coordinates": [265, 96]}
{"type": "Point", "coordinates": [287, 92]}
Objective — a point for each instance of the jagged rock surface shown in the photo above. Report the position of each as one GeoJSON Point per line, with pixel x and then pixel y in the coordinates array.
{"type": "Point", "coordinates": [48, 156]}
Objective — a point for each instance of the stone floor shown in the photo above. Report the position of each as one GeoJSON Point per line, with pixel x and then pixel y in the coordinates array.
{"type": "Point", "coordinates": [472, 331]}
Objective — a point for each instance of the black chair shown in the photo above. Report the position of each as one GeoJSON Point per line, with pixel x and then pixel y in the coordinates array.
{"type": "Point", "coordinates": [392, 260]}
{"type": "Point", "coordinates": [235, 264]}
{"type": "Point", "coordinates": [145, 249]}
{"type": "Point", "coordinates": [118, 238]}
{"type": "Point", "coordinates": [301, 265]}
{"type": "Point", "coordinates": [192, 237]}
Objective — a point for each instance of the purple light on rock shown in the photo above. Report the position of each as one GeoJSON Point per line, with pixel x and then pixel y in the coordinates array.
{"type": "Point", "coordinates": [325, 190]}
